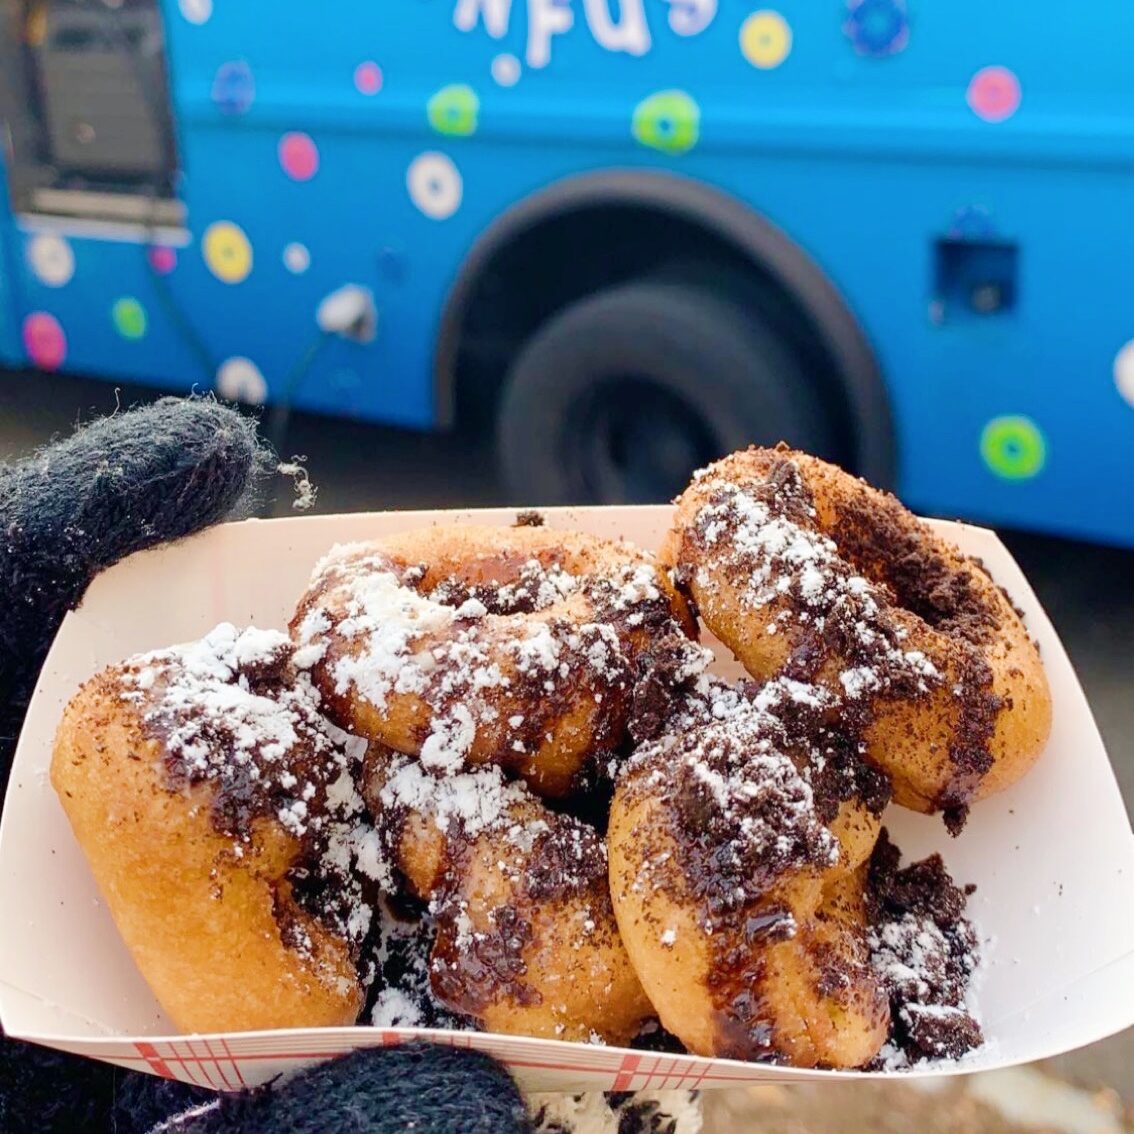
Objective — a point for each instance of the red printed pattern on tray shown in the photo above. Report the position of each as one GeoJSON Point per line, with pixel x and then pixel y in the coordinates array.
{"type": "Point", "coordinates": [222, 1064]}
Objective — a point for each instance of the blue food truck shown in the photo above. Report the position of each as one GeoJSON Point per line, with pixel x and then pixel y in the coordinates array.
{"type": "Point", "coordinates": [627, 235]}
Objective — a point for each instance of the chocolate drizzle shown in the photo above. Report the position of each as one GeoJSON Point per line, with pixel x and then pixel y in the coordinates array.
{"type": "Point", "coordinates": [471, 972]}
{"type": "Point", "coordinates": [527, 858]}
{"type": "Point", "coordinates": [736, 830]}
{"type": "Point", "coordinates": [479, 955]}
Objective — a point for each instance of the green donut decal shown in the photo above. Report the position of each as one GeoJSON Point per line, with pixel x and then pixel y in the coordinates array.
{"type": "Point", "coordinates": [453, 111]}
{"type": "Point", "coordinates": [669, 121]}
{"type": "Point", "coordinates": [1013, 447]}
{"type": "Point", "coordinates": [129, 318]}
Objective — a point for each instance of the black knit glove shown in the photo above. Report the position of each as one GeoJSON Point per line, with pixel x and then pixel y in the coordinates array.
{"type": "Point", "coordinates": [119, 485]}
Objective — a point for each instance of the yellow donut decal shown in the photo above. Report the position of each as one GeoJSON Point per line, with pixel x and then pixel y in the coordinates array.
{"type": "Point", "coordinates": [227, 252]}
{"type": "Point", "coordinates": [765, 39]}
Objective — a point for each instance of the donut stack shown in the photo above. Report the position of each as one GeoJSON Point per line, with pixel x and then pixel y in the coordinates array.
{"type": "Point", "coordinates": [492, 669]}
{"type": "Point", "coordinates": [753, 884]}
{"type": "Point", "coordinates": [488, 780]}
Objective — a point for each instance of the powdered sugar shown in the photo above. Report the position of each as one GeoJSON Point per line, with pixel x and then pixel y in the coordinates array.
{"type": "Point", "coordinates": [745, 808]}
{"type": "Point", "coordinates": [208, 691]}
{"type": "Point", "coordinates": [479, 657]}
{"type": "Point", "coordinates": [449, 741]}
{"type": "Point", "coordinates": [475, 801]}
{"type": "Point", "coordinates": [539, 651]}
{"type": "Point", "coordinates": [535, 588]}
{"type": "Point", "coordinates": [911, 954]}
{"type": "Point", "coordinates": [394, 1007]}
{"type": "Point", "coordinates": [385, 617]}
{"type": "Point", "coordinates": [925, 954]}
{"type": "Point", "coordinates": [859, 681]}
{"type": "Point", "coordinates": [238, 711]}
{"type": "Point", "coordinates": [401, 956]}
{"type": "Point", "coordinates": [774, 558]}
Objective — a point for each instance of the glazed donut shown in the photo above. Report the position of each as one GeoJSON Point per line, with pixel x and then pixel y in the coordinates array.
{"type": "Point", "coordinates": [743, 920]}
{"type": "Point", "coordinates": [473, 644]}
{"type": "Point", "coordinates": [217, 810]}
{"type": "Point", "coordinates": [526, 941]}
{"type": "Point", "coordinates": [805, 571]}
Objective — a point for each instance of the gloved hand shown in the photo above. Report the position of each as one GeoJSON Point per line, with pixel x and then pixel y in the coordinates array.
{"type": "Point", "coordinates": [122, 484]}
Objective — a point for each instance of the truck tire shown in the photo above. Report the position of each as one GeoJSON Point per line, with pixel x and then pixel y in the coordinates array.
{"type": "Point", "coordinates": [618, 397]}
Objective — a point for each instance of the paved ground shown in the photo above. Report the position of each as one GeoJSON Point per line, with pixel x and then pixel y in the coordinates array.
{"type": "Point", "coordinates": [1088, 591]}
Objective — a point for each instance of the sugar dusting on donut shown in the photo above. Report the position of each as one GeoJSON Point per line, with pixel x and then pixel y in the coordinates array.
{"type": "Point", "coordinates": [536, 587]}
{"type": "Point", "coordinates": [464, 804]}
{"type": "Point", "coordinates": [791, 716]}
{"type": "Point", "coordinates": [446, 645]}
{"type": "Point", "coordinates": [390, 617]}
{"type": "Point", "coordinates": [926, 952]}
{"type": "Point", "coordinates": [235, 710]}
{"type": "Point", "coordinates": [539, 585]}
{"type": "Point", "coordinates": [760, 534]}
{"type": "Point", "coordinates": [746, 814]}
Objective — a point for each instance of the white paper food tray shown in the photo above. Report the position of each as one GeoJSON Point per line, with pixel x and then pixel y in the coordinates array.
{"type": "Point", "coordinates": [1053, 858]}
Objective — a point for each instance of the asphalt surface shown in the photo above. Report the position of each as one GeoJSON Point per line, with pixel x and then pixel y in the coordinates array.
{"type": "Point", "coordinates": [1087, 590]}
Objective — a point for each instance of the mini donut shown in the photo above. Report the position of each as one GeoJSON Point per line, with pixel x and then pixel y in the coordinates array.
{"type": "Point", "coordinates": [216, 807]}
{"type": "Point", "coordinates": [744, 923]}
{"type": "Point", "coordinates": [733, 902]}
{"type": "Point", "coordinates": [468, 644]}
{"type": "Point", "coordinates": [804, 571]}
{"type": "Point", "coordinates": [526, 941]}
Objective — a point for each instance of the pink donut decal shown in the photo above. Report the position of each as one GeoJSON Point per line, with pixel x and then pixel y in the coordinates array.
{"type": "Point", "coordinates": [299, 156]}
{"type": "Point", "coordinates": [162, 259]}
{"type": "Point", "coordinates": [994, 94]}
{"type": "Point", "coordinates": [368, 78]}
{"type": "Point", "coordinates": [44, 341]}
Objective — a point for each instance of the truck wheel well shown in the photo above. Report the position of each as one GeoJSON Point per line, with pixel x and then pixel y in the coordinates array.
{"type": "Point", "coordinates": [527, 264]}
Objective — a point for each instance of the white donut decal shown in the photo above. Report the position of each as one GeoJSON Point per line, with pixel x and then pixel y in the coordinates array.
{"type": "Point", "coordinates": [239, 380]}
{"type": "Point", "coordinates": [51, 259]}
{"type": "Point", "coordinates": [691, 17]}
{"type": "Point", "coordinates": [506, 70]}
{"type": "Point", "coordinates": [296, 258]}
{"type": "Point", "coordinates": [1124, 372]}
{"type": "Point", "coordinates": [196, 11]}
{"type": "Point", "coordinates": [435, 185]}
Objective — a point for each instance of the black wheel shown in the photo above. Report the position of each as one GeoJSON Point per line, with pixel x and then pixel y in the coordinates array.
{"type": "Point", "coordinates": [617, 398]}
